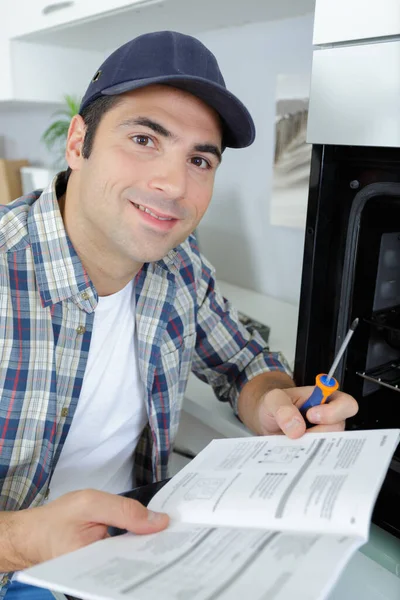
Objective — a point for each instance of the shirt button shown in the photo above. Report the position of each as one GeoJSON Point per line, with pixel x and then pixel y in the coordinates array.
{"type": "Point", "coordinates": [4, 580]}
{"type": "Point", "coordinates": [47, 494]}
{"type": "Point", "coordinates": [64, 412]}
{"type": "Point", "coordinates": [80, 330]}
{"type": "Point", "coordinates": [85, 296]}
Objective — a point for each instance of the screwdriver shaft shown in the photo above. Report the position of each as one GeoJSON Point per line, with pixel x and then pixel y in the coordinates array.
{"type": "Point", "coordinates": [342, 349]}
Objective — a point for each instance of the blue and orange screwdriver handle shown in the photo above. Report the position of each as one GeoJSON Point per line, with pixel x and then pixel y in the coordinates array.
{"type": "Point", "coordinates": [325, 385]}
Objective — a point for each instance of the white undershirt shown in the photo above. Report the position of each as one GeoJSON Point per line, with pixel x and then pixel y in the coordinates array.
{"type": "Point", "coordinates": [111, 412]}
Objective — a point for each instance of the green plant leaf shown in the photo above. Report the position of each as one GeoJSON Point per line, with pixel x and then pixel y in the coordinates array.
{"type": "Point", "coordinates": [73, 104]}
{"type": "Point", "coordinates": [56, 133]}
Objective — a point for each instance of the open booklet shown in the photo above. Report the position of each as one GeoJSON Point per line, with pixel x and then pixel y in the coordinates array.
{"type": "Point", "coordinates": [265, 518]}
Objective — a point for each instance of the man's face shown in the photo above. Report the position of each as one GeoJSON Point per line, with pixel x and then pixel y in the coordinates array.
{"type": "Point", "coordinates": [149, 178]}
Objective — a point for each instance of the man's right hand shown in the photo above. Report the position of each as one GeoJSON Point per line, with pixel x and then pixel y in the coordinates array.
{"type": "Point", "coordinates": [72, 521]}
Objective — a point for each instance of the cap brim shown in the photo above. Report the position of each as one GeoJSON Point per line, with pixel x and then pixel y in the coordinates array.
{"type": "Point", "coordinates": [239, 130]}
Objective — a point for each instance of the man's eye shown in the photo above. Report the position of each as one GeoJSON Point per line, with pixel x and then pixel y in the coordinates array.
{"type": "Point", "coordinates": [143, 140]}
{"type": "Point", "coordinates": [200, 162]}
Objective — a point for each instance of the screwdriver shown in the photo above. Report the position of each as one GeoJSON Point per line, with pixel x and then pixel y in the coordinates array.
{"type": "Point", "coordinates": [325, 385]}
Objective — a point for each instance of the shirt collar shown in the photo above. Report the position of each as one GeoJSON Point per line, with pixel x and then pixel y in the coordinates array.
{"type": "Point", "coordinates": [171, 261]}
{"type": "Point", "coordinates": [59, 272]}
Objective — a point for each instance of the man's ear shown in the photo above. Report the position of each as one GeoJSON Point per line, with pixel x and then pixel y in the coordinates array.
{"type": "Point", "coordinates": [74, 146]}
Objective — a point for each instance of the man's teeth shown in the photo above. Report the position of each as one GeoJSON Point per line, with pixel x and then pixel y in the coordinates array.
{"type": "Point", "coordinates": [142, 208]}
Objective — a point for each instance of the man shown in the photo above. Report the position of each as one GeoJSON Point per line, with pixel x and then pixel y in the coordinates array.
{"type": "Point", "coordinates": [106, 306]}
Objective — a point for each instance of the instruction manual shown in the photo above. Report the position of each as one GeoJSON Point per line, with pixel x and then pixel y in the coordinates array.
{"type": "Point", "coordinates": [266, 518]}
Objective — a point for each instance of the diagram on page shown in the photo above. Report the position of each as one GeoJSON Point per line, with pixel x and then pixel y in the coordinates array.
{"type": "Point", "coordinates": [282, 454]}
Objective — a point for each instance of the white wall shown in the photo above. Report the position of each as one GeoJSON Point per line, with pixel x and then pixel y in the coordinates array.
{"type": "Point", "coordinates": [21, 128]}
{"type": "Point", "coordinates": [236, 234]}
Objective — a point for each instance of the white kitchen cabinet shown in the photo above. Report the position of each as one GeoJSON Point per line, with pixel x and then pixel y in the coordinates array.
{"type": "Point", "coordinates": [5, 62]}
{"type": "Point", "coordinates": [106, 24]}
{"type": "Point", "coordinates": [29, 16]}
{"type": "Point", "coordinates": [40, 75]}
{"type": "Point", "coordinates": [341, 20]}
{"type": "Point", "coordinates": [49, 48]}
{"type": "Point", "coordinates": [355, 95]}
{"type": "Point", "coordinates": [5, 57]}
{"type": "Point", "coordinates": [32, 74]}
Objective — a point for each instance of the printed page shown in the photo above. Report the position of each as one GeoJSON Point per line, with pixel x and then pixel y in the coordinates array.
{"type": "Point", "coordinates": [321, 482]}
{"type": "Point", "coordinates": [189, 562]}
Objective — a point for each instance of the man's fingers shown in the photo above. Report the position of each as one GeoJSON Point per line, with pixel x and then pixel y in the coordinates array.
{"type": "Point", "coordinates": [324, 428]}
{"type": "Point", "coordinates": [117, 511]}
{"type": "Point", "coordinates": [139, 519]}
{"type": "Point", "coordinates": [278, 413]}
{"type": "Point", "coordinates": [340, 407]}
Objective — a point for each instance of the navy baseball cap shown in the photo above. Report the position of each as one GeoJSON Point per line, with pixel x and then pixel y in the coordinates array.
{"type": "Point", "coordinates": [178, 60]}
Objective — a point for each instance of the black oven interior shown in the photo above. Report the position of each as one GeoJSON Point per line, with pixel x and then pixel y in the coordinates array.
{"type": "Point", "coordinates": [352, 269]}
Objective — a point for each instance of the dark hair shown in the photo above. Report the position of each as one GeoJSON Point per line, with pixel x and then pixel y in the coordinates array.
{"type": "Point", "coordinates": [92, 115]}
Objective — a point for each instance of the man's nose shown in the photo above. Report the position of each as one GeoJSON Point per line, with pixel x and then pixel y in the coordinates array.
{"type": "Point", "coordinates": [170, 177]}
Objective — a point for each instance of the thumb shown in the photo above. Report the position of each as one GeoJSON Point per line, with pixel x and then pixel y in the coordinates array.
{"type": "Point", "coordinates": [278, 413]}
{"type": "Point", "coordinates": [123, 513]}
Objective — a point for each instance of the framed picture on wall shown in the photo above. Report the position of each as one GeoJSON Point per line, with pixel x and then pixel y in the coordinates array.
{"type": "Point", "coordinates": [292, 154]}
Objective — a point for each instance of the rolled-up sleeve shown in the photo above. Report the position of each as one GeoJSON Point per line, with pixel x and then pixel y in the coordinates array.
{"type": "Point", "coordinates": [227, 355]}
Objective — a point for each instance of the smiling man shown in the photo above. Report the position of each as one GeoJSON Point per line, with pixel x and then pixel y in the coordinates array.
{"type": "Point", "coordinates": [107, 305]}
{"type": "Point", "coordinates": [146, 184]}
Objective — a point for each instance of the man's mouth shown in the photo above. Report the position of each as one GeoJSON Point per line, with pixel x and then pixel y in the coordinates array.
{"type": "Point", "coordinates": [155, 215]}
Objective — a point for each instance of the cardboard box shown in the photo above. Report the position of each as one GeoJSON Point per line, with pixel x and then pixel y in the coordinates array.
{"type": "Point", "coordinates": [10, 179]}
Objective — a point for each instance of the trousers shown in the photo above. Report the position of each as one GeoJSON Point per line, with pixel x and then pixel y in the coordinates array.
{"type": "Point", "coordinates": [22, 591]}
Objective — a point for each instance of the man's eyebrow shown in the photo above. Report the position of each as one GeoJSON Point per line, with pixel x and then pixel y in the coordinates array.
{"type": "Point", "coordinates": [210, 148]}
{"type": "Point", "coordinates": [145, 122]}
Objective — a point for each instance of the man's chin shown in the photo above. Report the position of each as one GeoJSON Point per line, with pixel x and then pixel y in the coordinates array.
{"type": "Point", "coordinates": [151, 255]}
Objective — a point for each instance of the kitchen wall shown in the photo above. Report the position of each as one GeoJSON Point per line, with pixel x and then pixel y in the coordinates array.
{"type": "Point", "coordinates": [21, 128]}
{"type": "Point", "coordinates": [235, 234]}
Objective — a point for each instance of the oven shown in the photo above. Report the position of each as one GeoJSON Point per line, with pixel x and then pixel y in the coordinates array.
{"type": "Point", "coordinates": [351, 269]}
{"type": "Point", "coordinates": [351, 266]}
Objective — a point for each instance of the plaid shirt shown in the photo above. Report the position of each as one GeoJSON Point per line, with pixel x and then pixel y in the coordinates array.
{"type": "Point", "coordinates": [47, 308]}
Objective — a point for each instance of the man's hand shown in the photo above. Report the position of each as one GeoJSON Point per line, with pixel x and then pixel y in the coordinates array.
{"type": "Point", "coordinates": [71, 522]}
{"type": "Point", "coordinates": [278, 411]}
{"type": "Point", "coordinates": [269, 404]}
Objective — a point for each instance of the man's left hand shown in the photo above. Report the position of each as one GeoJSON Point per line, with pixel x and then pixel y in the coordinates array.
{"type": "Point", "coordinates": [278, 412]}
